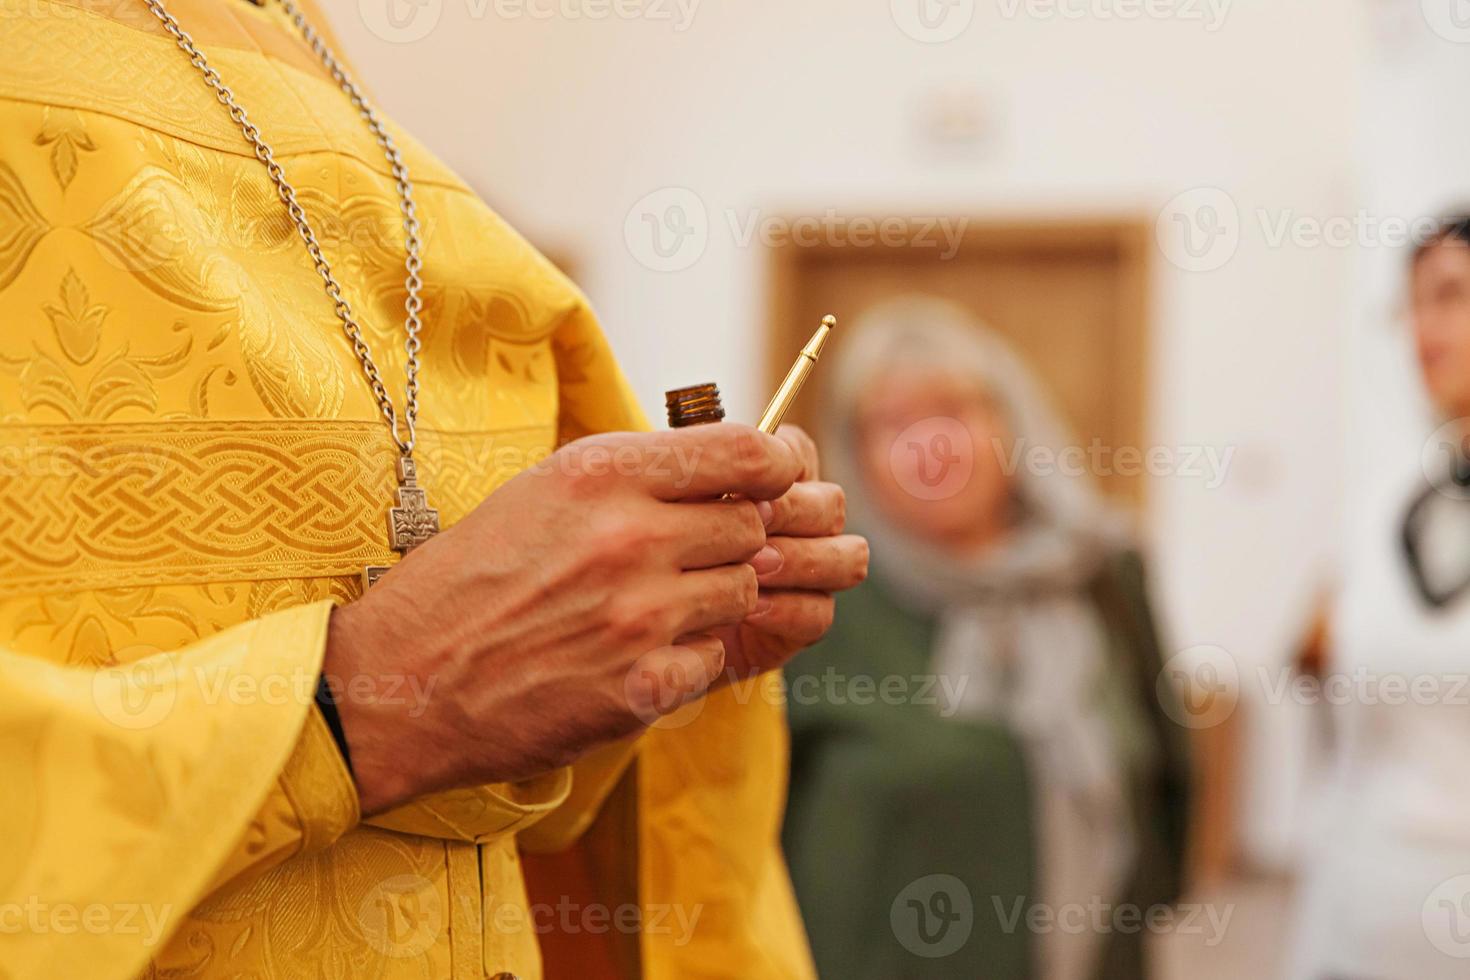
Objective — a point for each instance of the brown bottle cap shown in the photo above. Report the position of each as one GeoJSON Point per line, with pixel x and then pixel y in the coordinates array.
{"type": "Point", "coordinates": [696, 405]}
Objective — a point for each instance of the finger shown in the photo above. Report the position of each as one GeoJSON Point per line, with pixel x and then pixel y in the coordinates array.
{"type": "Point", "coordinates": [825, 564]}
{"type": "Point", "coordinates": [666, 679]}
{"type": "Point", "coordinates": [799, 618]}
{"type": "Point", "coordinates": [809, 510]}
{"type": "Point", "coordinates": [707, 461]}
{"type": "Point", "coordinates": [806, 450]}
{"type": "Point", "coordinates": [713, 597]}
{"type": "Point", "coordinates": [713, 533]}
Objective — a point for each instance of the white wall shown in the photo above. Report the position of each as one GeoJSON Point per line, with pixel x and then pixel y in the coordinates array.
{"type": "Point", "coordinates": [804, 105]}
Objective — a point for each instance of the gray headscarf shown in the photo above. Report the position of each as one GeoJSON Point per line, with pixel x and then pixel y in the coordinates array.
{"type": "Point", "coordinates": [1065, 528]}
{"type": "Point", "coordinates": [1018, 633]}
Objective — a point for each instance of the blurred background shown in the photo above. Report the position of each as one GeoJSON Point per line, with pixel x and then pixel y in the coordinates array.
{"type": "Point", "coordinates": [1190, 219]}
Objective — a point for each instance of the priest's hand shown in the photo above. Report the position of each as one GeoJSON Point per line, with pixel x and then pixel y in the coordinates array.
{"type": "Point", "coordinates": [574, 606]}
{"type": "Point", "coordinates": [806, 560]}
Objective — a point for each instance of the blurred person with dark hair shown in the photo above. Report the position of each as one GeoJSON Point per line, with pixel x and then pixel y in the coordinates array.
{"type": "Point", "coordinates": [1386, 894]}
{"type": "Point", "coordinates": [1026, 765]}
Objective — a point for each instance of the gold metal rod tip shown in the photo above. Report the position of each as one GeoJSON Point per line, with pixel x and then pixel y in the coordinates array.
{"type": "Point", "coordinates": [805, 361]}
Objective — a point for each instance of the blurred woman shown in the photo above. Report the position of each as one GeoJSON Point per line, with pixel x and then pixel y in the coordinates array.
{"type": "Point", "coordinates": [981, 775]}
{"type": "Point", "coordinates": [1386, 894]}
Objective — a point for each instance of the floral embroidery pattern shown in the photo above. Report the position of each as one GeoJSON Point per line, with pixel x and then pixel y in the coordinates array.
{"type": "Point", "coordinates": [64, 131]}
{"type": "Point", "coordinates": [21, 226]}
{"type": "Point", "coordinates": [123, 380]}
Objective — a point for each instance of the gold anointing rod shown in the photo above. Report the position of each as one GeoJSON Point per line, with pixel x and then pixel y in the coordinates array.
{"type": "Point", "coordinates": [796, 377]}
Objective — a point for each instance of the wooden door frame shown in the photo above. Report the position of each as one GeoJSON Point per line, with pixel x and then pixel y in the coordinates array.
{"type": "Point", "coordinates": [1128, 239]}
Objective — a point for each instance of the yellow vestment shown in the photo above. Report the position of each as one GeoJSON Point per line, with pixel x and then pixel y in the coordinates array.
{"type": "Point", "coordinates": [192, 471]}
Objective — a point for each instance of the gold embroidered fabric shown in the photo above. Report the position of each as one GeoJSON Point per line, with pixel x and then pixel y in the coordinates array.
{"type": "Point", "coordinates": [192, 473]}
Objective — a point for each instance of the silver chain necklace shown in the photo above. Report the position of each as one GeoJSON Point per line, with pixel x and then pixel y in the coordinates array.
{"type": "Point", "coordinates": [411, 522]}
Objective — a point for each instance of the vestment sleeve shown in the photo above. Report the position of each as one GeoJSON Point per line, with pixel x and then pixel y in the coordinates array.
{"type": "Point", "coordinates": [135, 790]}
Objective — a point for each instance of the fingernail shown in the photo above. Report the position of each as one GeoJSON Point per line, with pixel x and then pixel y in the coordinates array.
{"type": "Point", "coordinates": [766, 561]}
{"type": "Point", "coordinates": [767, 512]}
{"type": "Point", "coordinates": [763, 604]}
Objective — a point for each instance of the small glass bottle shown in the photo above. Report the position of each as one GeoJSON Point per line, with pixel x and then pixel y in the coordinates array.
{"type": "Point", "coordinates": [696, 405]}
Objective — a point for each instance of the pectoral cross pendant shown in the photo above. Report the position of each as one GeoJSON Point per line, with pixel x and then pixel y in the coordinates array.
{"type": "Point", "coordinates": [411, 523]}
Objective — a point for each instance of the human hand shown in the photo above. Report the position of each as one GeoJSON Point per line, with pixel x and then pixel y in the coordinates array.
{"type": "Point", "coordinates": [806, 560]}
{"type": "Point", "coordinates": [540, 624]}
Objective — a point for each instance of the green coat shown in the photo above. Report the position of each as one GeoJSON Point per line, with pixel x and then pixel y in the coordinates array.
{"type": "Point", "coordinates": [884, 794]}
